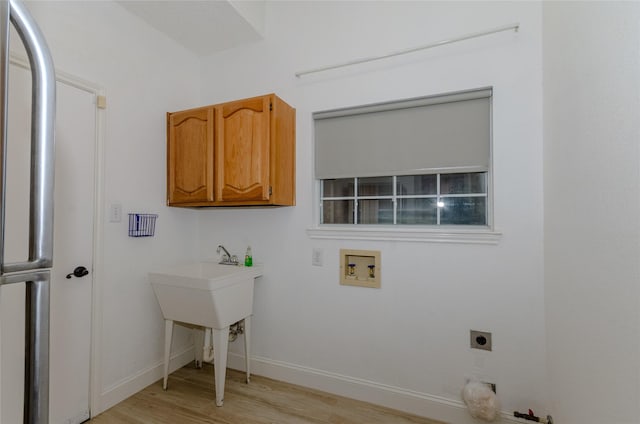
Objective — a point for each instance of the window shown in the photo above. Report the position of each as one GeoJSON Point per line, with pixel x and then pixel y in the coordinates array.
{"type": "Point", "coordinates": [416, 162]}
{"type": "Point", "coordinates": [428, 199]}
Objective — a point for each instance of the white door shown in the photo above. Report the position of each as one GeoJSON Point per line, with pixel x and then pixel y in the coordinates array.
{"type": "Point", "coordinates": [70, 321]}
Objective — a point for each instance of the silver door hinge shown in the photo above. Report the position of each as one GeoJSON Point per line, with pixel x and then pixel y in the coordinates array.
{"type": "Point", "coordinates": [270, 191]}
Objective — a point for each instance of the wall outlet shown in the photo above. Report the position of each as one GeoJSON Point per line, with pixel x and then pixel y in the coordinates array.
{"type": "Point", "coordinates": [480, 340]}
{"type": "Point", "coordinates": [316, 256]}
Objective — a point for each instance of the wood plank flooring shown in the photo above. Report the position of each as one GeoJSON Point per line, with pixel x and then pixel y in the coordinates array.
{"type": "Point", "coordinates": [190, 400]}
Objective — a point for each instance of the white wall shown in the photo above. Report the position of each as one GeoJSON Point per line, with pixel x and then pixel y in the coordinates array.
{"type": "Point", "coordinates": [411, 337]}
{"type": "Point", "coordinates": [406, 343]}
{"type": "Point", "coordinates": [144, 75]}
{"type": "Point", "coordinates": [592, 205]}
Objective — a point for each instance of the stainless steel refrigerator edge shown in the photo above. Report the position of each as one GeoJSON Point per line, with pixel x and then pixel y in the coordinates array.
{"type": "Point", "coordinates": [35, 271]}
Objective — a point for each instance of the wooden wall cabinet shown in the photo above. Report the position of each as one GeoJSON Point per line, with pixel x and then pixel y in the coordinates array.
{"type": "Point", "coordinates": [239, 153]}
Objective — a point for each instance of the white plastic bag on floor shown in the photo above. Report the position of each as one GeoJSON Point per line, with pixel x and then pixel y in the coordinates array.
{"type": "Point", "coordinates": [481, 401]}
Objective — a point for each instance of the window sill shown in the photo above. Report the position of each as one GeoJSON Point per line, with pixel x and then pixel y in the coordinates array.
{"type": "Point", "coordinates": [414, 234]}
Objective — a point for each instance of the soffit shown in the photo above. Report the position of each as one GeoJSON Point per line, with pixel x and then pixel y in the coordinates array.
{"type": "Point", "coordinates": [203, 26]}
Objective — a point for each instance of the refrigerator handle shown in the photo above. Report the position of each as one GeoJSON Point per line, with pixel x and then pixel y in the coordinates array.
{"type": "Point", "coordinates": [43, 82]}
{"type": "Point", "coordinates": [4, 105]}
{"type": "Point", "coordinates": [43, 102]}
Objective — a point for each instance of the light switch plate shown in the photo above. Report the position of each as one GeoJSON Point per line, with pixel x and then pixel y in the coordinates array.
{"type": "Point", "coordinates": [115, 212]}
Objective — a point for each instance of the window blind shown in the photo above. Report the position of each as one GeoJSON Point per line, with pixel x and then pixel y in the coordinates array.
{"type": "Point", "coordinates": [444, 133]}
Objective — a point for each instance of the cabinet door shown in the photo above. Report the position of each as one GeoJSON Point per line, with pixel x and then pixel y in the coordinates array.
{"type": "Point", "coordinates": [190, 156]}
{"type": "Point", "coordinates": [242, 152]}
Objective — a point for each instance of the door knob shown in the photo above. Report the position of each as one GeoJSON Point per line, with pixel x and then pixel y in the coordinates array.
{"type": "Point", "coordinates": [79, 272]}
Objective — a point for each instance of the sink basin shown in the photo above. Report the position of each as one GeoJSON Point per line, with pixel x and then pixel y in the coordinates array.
{"type": "Point", "coordinates": [205, 293]}
{"type": "Point", "coordinates": [210, 295]}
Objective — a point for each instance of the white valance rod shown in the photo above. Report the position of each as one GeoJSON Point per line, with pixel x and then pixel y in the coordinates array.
{"type": "Point", "coordinates": [510, 27]}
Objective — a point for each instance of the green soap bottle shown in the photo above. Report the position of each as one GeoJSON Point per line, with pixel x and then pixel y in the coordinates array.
{"type": "Point", "coordinates": [248, 259]}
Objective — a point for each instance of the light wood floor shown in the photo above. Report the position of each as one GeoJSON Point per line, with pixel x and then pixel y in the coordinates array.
{"type": "Point", "coordinates": [190, 399]}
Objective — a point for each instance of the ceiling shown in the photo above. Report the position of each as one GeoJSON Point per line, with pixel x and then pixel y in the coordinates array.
{"type": "Point", "coordinates": [203, 26]}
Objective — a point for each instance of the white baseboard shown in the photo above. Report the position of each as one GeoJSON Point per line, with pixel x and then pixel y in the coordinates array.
{"type": "Point", "coordinates": [133, 384]}
{"type": "Point", "coordinates": [422, 404]}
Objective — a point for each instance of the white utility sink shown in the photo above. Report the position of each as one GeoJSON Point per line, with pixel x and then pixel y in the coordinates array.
{"type": "Point", "coordinates": [210, 295]}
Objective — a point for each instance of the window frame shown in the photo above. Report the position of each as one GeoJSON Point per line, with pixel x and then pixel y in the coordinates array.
{"type": "Point", "coordinates": [459, 234]}
{"type": "Point", "coordinates": [462, 234]}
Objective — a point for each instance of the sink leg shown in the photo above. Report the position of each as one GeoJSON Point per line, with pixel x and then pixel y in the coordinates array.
{"type": "Point", "coordinates": [198, 344]}
{"type": "Point", "coordinates": [220, 348]}
{"type": "Point", "coordinates": [168, 334]}
{"type": "Point", "coordinates": [247, 347]}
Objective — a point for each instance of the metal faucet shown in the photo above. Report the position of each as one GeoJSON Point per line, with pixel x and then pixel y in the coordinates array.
{"type": "Point", "coordinates": [227, 258]}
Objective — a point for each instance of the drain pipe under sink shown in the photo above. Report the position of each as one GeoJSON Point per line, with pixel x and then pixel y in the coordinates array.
{"type": "Point", "coordinates": [207, 349]}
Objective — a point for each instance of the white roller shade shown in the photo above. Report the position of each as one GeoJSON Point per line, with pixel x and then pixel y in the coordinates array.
{"type": "Point", "coordinates": [447, 133]}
